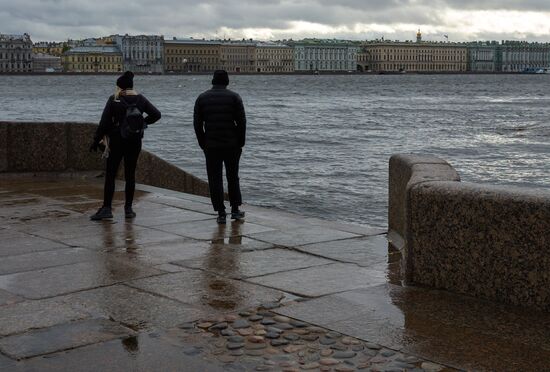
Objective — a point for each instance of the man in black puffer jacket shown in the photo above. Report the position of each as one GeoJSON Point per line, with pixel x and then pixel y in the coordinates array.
{"type": "Point", "coordinates": [220, 126]}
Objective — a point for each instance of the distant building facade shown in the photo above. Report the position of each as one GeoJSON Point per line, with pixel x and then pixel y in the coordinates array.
{"type": "Point", "coordinates": [15, 53]}
{"type": "Point", "coordinates": [46, 63]}
{"type": "Point", "coordinates": [517, 56]}
{"type": "Point", "coordinates": [238, 56]}
{"type": "Point", "coordinates": [274, 58]}
{"type": "Point", "coordinates": [93, 59]}
{"type": "Point", "coordinates": [50, 48]}
{"type": "Point", "coordinates": [141, 53]}
{"type": "Point", "coordinates": [419, 56]}
{"type": "Point", "coordinates": [483, 56]}
{"type": "Point", "coordinates": [191, 55]}
{"type": "Point", "coordinates": [319, 55]}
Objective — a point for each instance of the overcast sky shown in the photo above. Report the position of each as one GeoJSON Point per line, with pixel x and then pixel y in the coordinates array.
{"type": "Point", "coordinates": [461, 20]}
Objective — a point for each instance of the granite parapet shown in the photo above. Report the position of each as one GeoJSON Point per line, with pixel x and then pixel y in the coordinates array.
{"type": "Point", "coordinates": [480, 240]}
{"type": "Point", "coordinates": [37, 147]}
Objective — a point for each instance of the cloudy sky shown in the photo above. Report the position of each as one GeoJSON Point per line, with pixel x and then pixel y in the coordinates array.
{"type": "Point", "coordinates": [462, 20]}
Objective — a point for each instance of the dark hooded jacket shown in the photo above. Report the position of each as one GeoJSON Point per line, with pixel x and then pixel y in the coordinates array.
{"type": "Point", "coordinates": [114, 113]}
{"type": "Point", "coordinates": [219, 119]}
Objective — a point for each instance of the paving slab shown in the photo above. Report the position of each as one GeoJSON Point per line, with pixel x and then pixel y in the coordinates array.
{"type": "Point", "coordinates": [131, 307]}
{"type": "Point", "coordinates": [242, 243]}
{"type": "Point", "coordinates": [61, 337]}
{"type": "Point", "coordinates": [15, 243]}
{"type": "Point", "coordinates": [180, 216]}
{"type": "Point", "coordinates": [362, 251]}
{"type": "Point", "coordinates": [302, 236]}
{"type": "Point", "coordinates": [42, 260]}
{"type": "Point", "coordinates": [132, 237]}
{"type": "Point", "coordinates": [33, 213]}
{"type": "Point", "coordinates": [226, 261]}
{"type": "Point", "coordinates": [22, 316]}
{"type": "Point", "coordinates": [210, 230]}
{"type": "Point", "coordinates": [163, 253]}
{"type": "Point", "coordinates": [7, 298]}
{"type": "Point", "coordinates": [142, 353]}
{"type": "Point", "coordinates": [183, 203]}
{"type": "Point", "coordinates": [322, 280]}
{"type": "Point", "coordinates": [206, 291]}
{"type": "Point", "coordinates": [6, 363]}
{"type": "Point", "coordinates": [70, 278]}
{"type": "Point", "coordinates": [75, 228]}
{"type": "Point", "coordinates": [365, 230]}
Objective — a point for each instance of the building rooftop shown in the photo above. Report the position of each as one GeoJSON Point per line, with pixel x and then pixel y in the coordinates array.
{"type": "Point", "coordinates": [94, 49]}
{"type": "Point", "coordinates": [44, 56]}
{"type": "Point", "coordinates": [7, 37]}
{"type": "Point", "coordinates": [192, 42]}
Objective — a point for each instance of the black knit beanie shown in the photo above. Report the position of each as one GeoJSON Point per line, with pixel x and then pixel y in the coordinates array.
{"type": "Point", "coordinates": [126, 81]}
{"type": "Point", "coordinates": [220, 78]}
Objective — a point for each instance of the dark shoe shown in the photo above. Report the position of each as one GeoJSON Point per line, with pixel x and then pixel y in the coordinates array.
{"type": "Point", "coordinates": [103, 213]}
{"type": "Point", "coordinates": [221, 219]}
{"type": "Point", "coordinates": [129, 212]}
{"type": "Point", "coordinates": [237, 215]}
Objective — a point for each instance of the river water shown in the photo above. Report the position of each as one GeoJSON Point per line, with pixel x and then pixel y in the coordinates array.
{"type": "Point", "coordinates": [319, 145]}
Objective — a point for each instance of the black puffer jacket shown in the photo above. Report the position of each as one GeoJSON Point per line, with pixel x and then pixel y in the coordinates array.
{"type": "Point", "coordinates": [114, 113]}
{"type": "Point", "coordinates": [219, 119]}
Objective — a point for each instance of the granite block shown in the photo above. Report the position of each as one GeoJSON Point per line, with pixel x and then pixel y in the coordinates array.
{"type": "Point", "coordinates": [71, 278]}
{"type": "Point", "coordinates": [23, 316]}
{"type": "Point", "coordinates": [131, 307]}
{"type": "Point", "coordinates": [37, 147]}
{"type": "Point", "coordinates": [322, 280]}
{"type": "Point", "coordinates": [79, 158]}
{"type": "Point", "coordinates": [206, 291]}
{"type": "Point", "coordinates": [3, 147]}
{"type": "Point", "coordinates": [485, 241]}
{"type": "Point", "coordinates": [141, 353]}
{"type": "Point", "coordinates": [62, 337]}
{"type": "Point", "coordinates": [223, 260]}
{"type": "Point", "coordinates": [406, 170]}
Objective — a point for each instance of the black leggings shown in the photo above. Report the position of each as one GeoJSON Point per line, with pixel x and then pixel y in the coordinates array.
{"type": "Point", "coordinates": [214, 167]}
{"type": "Point", "coordinates": [127, 149]}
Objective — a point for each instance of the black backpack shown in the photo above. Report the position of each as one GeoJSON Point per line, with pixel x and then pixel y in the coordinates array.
{"type": "Point", "coordinates": [133, 124]}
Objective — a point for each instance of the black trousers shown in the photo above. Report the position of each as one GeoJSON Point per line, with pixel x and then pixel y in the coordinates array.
{"type": "Point", "coordinates": [127, 149]}
{"type": "Point", "coordinates": [214, 167]}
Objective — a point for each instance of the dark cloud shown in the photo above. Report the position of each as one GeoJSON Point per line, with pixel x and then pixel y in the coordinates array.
{"type": "Point", "coordinates": [61, 19]}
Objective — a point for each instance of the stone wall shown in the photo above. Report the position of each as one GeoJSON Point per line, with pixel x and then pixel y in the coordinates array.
{"type": "Point", "coordinates": [28, 147]}
{"type": "Point", "coordinates": [481, 240]}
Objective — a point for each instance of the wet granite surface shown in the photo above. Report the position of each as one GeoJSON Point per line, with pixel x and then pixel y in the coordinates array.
{"type": "Point", "coordinates": [485, 241]}
{"type": "Point", "coordinates": [61, 337]}
{"type": "Point", "coordinates": [137, 295]}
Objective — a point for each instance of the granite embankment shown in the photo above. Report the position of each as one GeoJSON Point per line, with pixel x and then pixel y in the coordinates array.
{"type": "Point", "coordinates": [481, 240]}
{"type": "Point", "coordinates": [33, 147]}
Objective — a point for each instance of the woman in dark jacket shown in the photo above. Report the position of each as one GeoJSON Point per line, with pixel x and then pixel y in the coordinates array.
{"type": "Point", "coordinates": [122, 143]}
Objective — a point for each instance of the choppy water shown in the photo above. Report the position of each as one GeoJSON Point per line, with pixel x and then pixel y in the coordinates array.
{"type": "Point", "coordinates": [319, 145]}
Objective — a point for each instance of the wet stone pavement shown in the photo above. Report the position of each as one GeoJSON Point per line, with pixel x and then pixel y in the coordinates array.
{"type": "Point", "coordinates": [173, 291]}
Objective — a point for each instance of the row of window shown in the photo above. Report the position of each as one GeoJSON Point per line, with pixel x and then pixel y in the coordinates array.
{"type": "Point", "coordinates": [191, 59]}
{"type": "Point", "coordinates": [421, 57]}
{"type": "Point", "coordinates": [424, 51]}
{"type": "Point", "coordinates": [192, 51]}
{"type": "Point", "coordinates": [421, 67]}
{"type": "Point", "coordinates": [94, 59]}
{"type": "Point", "coordinates": [15, 56]}
{"type": "Point", "coordinates": [99, 68]}
{"type": "Point", "coordinates": [325, 66]}
{"type": "Point", "coordinates": [20, 67]}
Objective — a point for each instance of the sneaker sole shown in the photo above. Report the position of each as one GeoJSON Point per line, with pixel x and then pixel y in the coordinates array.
{"type": "Point", "coordinates": [101, 219]}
